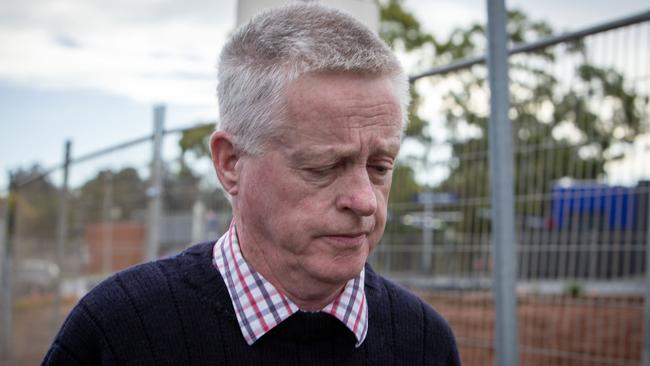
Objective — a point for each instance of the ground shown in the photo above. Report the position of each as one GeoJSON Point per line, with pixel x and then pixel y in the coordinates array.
{"type": "Point", "coordinates": [553, 330]}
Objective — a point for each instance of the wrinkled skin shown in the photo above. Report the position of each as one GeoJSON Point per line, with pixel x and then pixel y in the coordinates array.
{"type": "Point", "coordinates": [312, 207]}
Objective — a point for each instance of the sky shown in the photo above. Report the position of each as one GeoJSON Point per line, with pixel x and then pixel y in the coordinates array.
{"type": "Point", "coordinates": [92, 70]}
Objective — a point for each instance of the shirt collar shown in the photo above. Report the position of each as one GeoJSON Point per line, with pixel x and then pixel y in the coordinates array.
{"type": "Point", "coordinates": [259, 306]}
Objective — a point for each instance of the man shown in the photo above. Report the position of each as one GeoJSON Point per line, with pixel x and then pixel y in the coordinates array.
{"type": "Point", "coordinates": [312, 110]}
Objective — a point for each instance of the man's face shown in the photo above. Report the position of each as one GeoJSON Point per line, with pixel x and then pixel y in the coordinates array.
{"type": "Point", "coordinates": [315, 203]}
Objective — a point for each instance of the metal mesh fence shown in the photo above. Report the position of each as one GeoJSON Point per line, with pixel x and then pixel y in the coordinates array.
{"type": "Point", "coordinates": [99, 231]}
{"type": "Point", "coordinates": [35, 268]}
{"type": "Point", "coordinates": [580, 118]}
{"type": "Point", "coordinates": [107, 226]}
{"type": "Point", "coordinates": [581, 133]}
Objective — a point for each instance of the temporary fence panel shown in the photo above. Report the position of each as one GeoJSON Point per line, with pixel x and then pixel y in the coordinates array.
{"type": "Point", "coordinates": [581, 132]}
{"type": "Point", "coordinates": [68, 237]}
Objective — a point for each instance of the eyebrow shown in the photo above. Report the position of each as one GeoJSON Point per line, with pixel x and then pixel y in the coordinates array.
{"type": "Point", "coordinates": [315, 154]}
{"type": "Point", "coordinates": [337, 152]}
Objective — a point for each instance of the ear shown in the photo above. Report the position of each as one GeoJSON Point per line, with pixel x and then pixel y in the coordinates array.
{"type": "Point", "coordinates": [225, 156]}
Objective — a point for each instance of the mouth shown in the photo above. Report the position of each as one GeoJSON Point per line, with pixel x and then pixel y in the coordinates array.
{"type": "Point", "coordinates": [346, 240]}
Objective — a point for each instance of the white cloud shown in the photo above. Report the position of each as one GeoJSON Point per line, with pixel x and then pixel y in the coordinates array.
{"type": "Point", "coordinates": [441, 17]}
{"type": "Point", "coordinates": [64, 14]}
{"type": "Point", "coordinates": [153, 51]}
{"type": "Point", "coordinates": [160, 51]}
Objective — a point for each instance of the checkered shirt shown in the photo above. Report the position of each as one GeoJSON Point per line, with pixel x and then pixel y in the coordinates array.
{"type": "Point", "coordinates": [260, 306]}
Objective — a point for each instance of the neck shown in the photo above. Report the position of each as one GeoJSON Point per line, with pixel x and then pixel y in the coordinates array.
{"type": "Point", "coordinates": [309, 293]}
{"type": "Point", "coordinates": [312, 301]}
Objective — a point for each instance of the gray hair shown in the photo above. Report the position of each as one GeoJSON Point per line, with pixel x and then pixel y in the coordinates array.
{"type": "Point", "coordinates": [277, 47]}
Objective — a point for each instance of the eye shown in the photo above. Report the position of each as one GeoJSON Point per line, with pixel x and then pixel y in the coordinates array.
{"type": "Point", "coordinates": [380, 169]}
{"type": "Point", "coordinates": [321, 171]}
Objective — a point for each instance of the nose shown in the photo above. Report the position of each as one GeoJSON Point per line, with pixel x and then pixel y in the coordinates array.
{"type": "Point", "coordinates": [357, 194]}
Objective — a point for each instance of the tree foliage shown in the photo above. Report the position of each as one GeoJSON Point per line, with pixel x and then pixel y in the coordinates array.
{"type": "Point", "coordinates": [403, 32]}
{"type": "Point", "coordinates": [560, 126]}
{"type": "Point", "coordinates": [554, 120]}
{"type": "Point", "coordinates": [195, 142]}
{"type": "Point", "coordinates": [117, 196]}
{"type": "Point", "coordinates": [36, 200]}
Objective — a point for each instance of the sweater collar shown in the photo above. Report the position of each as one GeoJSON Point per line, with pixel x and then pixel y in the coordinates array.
{"type": "Point", "coordinates": [260, 306]}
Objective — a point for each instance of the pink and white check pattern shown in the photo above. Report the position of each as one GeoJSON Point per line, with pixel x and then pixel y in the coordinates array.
{"type": "Point", "coordinates": [260, 306]}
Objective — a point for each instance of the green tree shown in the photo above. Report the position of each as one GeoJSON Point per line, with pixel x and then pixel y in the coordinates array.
{"type": "Point", "coordinates": [195, 142]}
{"type": "Point", "coordinates": [186, 186]}
{"type": "Point", "coordinates": [405, 186]}
{"type": "Point", "coordinates": [403, 32]}
{"type": "Point", "coordinates": [553, 120]}
{"type": "Point", "coordinates": [181, 189]}
{"type": "Point", "coordinates": [36, 200]}
{"type": "Point", "coordinates": [125, 190]}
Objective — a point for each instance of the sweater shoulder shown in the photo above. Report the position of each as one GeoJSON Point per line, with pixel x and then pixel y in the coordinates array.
{"type": "Point", "coordinates": [123, 314]}
{"type": "Point", "coordinates": [401, 297]}
{"type": "Point", "coordinates": [404, 298]}
{"type": "Point", "coordinates": [417, 328]}
{"type": "Point", "coordinates": [146, 283]}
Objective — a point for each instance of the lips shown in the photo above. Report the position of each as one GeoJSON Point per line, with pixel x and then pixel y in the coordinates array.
{"type": "Point", "coordinates": [346, 239]}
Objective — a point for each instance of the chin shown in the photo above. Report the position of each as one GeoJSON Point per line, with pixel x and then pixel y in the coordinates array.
{"type": "Point", "coordinates": [341, 270]}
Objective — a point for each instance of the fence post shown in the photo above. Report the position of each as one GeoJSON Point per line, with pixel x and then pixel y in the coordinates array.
{"type": "Point", "coordinates": [6, 284]}
{"type": "Point", "coordinates": [502, 191]}
{"type": "Point", "coordinates": [427, 235]}
{"type": "Point", "coordinates": [645, 357]}
{"type": "Point", "coordinates": [155, 189]}
{"type": "Point", "coordinates": [61, 232]}
{"type": "Point", "coordinates": [107, 225]}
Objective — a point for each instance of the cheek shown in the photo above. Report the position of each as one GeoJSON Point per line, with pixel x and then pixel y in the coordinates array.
{"type": "Point", "coordinates": [259, 193]}
{"type": "Point", "coordinates": [382, 207]}
{"type": "Point", "coordinates": [283, 200]}
{"type": "Point", "coordinates": [381, 194]}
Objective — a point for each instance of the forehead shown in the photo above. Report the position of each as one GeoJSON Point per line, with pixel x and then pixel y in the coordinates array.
{"type": "Point", "coordinates": [340, 93]}
{"type": "Point", "coordinates": [334, 109]}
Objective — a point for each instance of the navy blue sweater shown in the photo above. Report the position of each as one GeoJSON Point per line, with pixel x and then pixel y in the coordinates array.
{"type": "Point", "coordinates": [177, 311]}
